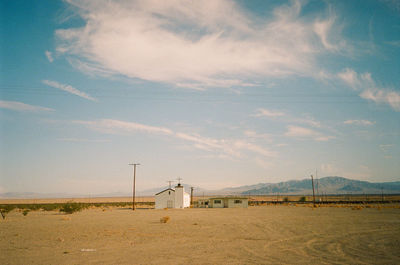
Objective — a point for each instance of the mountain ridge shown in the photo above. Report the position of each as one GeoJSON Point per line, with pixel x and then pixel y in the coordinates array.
{"type": "Point", "coordinates": [327, 185]}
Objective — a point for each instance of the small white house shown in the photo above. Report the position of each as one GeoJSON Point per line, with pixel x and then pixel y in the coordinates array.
{"type": "Point", "coordinates": [224, 202]}
{"type": "Point", "coordinates": [172, 198]}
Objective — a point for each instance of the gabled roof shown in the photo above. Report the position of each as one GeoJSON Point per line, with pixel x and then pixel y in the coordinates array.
{"type": "Point", "coordinates": [165, 190]}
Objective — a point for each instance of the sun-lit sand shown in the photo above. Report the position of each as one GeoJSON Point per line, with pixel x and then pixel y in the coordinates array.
{"type": "Point", "coordinates": [257, 235]}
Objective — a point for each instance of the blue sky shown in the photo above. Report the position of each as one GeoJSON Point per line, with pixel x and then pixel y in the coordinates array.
{"type": "Point", "coordinates": [219, 93]}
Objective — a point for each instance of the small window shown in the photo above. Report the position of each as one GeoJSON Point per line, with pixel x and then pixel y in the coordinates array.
{"type": "Point", "coordinates": [217, 201]}
{"type": "Point", "coordinates": [169, 192]}
{"type": "Point", "coordinates": [238, 201]}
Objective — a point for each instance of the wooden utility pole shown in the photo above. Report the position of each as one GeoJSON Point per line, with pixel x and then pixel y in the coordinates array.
{"type": "Point", "coordinates": [313, 193]}
{"type": "Point", "coordinates": [316, 178]}
{"type": "Point", "coordinates": [170, 182]}
{"type": "Point", "coordinates": [191, 195]}
{"type": "Point", "coordinates": [179, 180]}
{"type": "Point", "coordinates": [134, 183]}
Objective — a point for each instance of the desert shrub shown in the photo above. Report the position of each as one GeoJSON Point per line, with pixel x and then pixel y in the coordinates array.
{"type": "Point", "coordinates": [5, 209]}
{"type": "Point", "coordinates": [71, 207]}
{"type": "Point", "coordinates": [50, 207]}
{"type": "Point", "coordinates": [286, 199]}
{"type": "Point", "coordinates": [302, 199]}
{"type": "Point", "coordinates": [164, 219]}
{"type": "Point", "coordinates": [25, 212]}
{"type": "Point", "coordinates": [33, 207]}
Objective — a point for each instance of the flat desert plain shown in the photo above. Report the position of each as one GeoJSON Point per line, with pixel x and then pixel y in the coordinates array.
{"type": "Point", "coordinates": [256, 235]}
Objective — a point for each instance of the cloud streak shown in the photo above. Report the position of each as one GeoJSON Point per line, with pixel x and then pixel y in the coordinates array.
{"type": "Point", "coordinates": [268, 113]}
{"type": "Point", "coordinates": [230, 147]}
{"type": "Point", "coordinates": [49, 56]}
{"type": "Point", "coordinates": [306, 133]}
{"type": "Point", "coordinates": [360, 122]}
{"type": "Point", "coordinates": [68, 89]}
{"type": "Point", "coordinates": [284, 117]}
{"type": "Point", "coordinates": [196, 44]}
{"type": "Point", "coordinates": [368, 88]}
{"type": "Point", "coordinates": [22, 107]}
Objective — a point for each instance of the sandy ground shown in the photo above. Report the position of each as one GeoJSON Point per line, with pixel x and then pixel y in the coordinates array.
{"type": "Point", "coordinates": [257, 235]}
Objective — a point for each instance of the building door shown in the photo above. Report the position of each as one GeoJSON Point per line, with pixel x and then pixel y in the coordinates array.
{"type": "Point", "coordinates": [169, 204]}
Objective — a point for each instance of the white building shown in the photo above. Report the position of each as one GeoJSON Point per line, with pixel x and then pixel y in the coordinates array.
{"type": "Point", "coordinates": [224, 202]}
{"type": "Point", "coordinates": [172, 198]}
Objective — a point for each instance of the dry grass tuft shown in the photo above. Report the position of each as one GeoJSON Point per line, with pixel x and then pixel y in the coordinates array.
{"type": "Point", "coordinates": [164, 219]}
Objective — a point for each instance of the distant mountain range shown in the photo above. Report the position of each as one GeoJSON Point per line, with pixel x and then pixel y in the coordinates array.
{"type": "Point", "coordinates": [325, 185]}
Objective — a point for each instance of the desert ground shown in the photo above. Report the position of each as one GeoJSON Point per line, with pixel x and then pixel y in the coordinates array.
{"type": "Point", "coordinates": [256, 235]}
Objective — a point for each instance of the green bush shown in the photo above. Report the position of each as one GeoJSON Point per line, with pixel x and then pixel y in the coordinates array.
{"type": "Point", "coordinates": [50, 207]}
{"type": "Point", "coordinates": [71, 207]}
{"type": "Point", "coordinates": [25, 212]}
{"type": "Point", "coordinates": [5, 209]}
{"type": "Point", "coordinates": [302, 199]}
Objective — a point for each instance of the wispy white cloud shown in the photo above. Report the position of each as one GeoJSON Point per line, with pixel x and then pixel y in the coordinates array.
{"type": "Point", "coordinates": [306, 133]}
{"type": "Point", "coordinates": [256, 135]}
{"type": "Point", "coordinates": [350, 77]}
{"type": "Point", "coordinates": [382, 96]}
{"type": "Point", "coordinates": [151, 40]}
{"type": "Point", "coordinates": [230, 147]}
{"type": "Point", "coordinates": [359, 122]}
{"type": "Point", "coordinates": [369, 89]}
{"type": "Point", "coordinates": [285, 117]}
{"type": "Point", "coordinates": [68, 89]}
{"type": "Point", "coordinates": [79, 140]}
{"type": "Point", "coordinates": [296, 131]}
{"type": "Point", "coordinates": [323, 29]}
{"type": "Point", "coordinates": [308, 121]}
{"type": "Point", "coordinates": [268, 113]}
{"type": "Point", "coordinates": [117, 126]}
{"type": "Point", "coordinates": [19, 106]}
{"type": "Point", "coordinates": [49, 56]}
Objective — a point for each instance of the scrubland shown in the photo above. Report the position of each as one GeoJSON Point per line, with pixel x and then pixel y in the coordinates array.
{"type": "Point", "coordinates": [256, 235]}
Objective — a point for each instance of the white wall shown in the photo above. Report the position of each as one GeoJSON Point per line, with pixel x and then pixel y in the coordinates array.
{"type": "Point", "coordinates": [186, 200]}
{"type": "Point", "coordinates": [217, 205]}
{"type": "Point", "coordinates": [163, 198]}
{"type": "Point", "coordinates": [244, 203]}
{"type": "Point", "coordinates": [179, 191]}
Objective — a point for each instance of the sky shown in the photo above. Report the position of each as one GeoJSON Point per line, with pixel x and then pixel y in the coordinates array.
{"type": "Point", "coordinates": [219, 93]}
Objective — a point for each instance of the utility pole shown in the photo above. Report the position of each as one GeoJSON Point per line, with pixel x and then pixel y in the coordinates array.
{"type": "Point", "coordinates": [191, 196]}
{"type": "Point", "coordinates": [134, 183]}
{"type": "Point", "coordinates": [316, 176]}
{"type": "Point", "coordinates": [179, 180]}
{"type": "Point", "coordinates": [313, 194]}
{"type": "Point", "coordinates": [170, 182]}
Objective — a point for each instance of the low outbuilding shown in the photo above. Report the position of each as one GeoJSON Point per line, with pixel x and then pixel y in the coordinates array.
{"type": "Point", "coordinates": [224, 202]}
